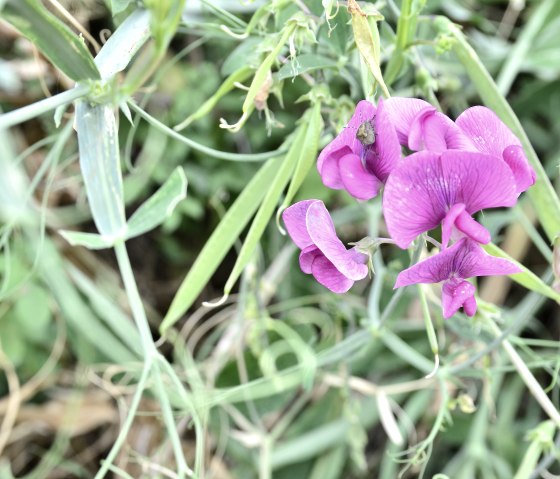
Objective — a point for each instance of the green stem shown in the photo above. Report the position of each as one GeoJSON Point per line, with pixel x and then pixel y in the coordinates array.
{"type": "Point", "coordinates": [542, 194]}
{"type": "Point", "coordinates": [107, 463]}
{"type": "Point", "coordinates": [38, 108]}
{"type": "Point", "coordinates": [201, 148]}
{"type": "Point", "coordinates": [404, 27]}
{"type": "Point", "coordinates": [532, 384]}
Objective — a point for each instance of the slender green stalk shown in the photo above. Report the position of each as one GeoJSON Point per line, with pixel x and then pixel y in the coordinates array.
{"type": "Point", "coordinates": [108, 462]}
{"type": "Point", "coordinates": [405, 26]}
{"type": "Point", "coordinates": [38, 108]}
{"type": "Point", "coordinates": [532, 384]}
{"type": "Point", "coordinates": [201, 148]}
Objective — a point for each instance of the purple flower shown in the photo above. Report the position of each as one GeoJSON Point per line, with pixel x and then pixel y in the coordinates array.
{"type": "Point", "coordinates": [427, 189]}
{"type": "Point", "coordinates": [322, 254]}
{"type": "Point", "coordinates": [465, 259]}
{"type": "Point", "coordinates": [420, 126]}
{"type": "Point", "coordinates": [490, 135]}
{"type": "Point", "coordinates": [361, 157]}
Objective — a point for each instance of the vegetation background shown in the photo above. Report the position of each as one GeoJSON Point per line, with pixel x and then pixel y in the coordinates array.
{"type": "Point", "coordinates": [280, 378]}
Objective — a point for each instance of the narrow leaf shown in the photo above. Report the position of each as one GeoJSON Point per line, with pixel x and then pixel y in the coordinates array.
{"type": "Point", "coordinates": [159, 206]}
{"type": "Point", "coordinates": [56, 41]}
{"type": "Point", "coordinates": [88, 240]}
{"type": "Point", "coordinates": [365, 43]}
{"type": "Point", "coordinates": [307, 154]}
{"type": "Point", "coordinates": [527, 278]}
{"type": "Point", "coordinates": [220, 242]}
{"type": "Point", "coordinates": [99, 161]}
{"type": "Point", "coordinates": [274, 190]}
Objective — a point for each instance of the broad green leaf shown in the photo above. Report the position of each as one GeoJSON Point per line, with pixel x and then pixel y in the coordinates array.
{"type": "Point", "coordinates": [527, 278]}
{"type": "Point", "coordinates": [87, 240]}
{"type": "Point", "coordinates": [220, 242]}
{"type": "Point", "coordinates": [307, 154]}
{"type": "Point", "coordinates": [239, 75]}
{"type": "Point", "coordinates": [305, 63]}
{"type": "Point", "coordinates": [270, 201]}
{"type": "Point", "coordinates": [367, 46]}
{"type": "Point", "coordinates": [159, 206]}
{"type": "Point", "coordinates": [98, 143]}
{"type": "Point", "coordinates": [55, 40]}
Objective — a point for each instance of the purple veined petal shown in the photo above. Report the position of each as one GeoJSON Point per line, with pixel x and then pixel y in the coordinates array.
{"type": "Point", "coordinates": [478, 180]}
{"type": "Point", "coordinates": [522, 171]}
{"type": "Point", "coordinates": [401, 112]}
{"type": "Point", "coordinates": [472, 260]}
{"type": "Point", "coordinates": [455, 294]}
{"type": "Point", "coordinates": [327, 164]}
{"type": "Point", "coordinates": [436, 268]}
{"type": "Point", "coordinates": [361, 184]}
{"type": "Point", "coordinates": [328, 275]}
{"type": "Point", "coordinates": [364, 111]}
{"type": "Point", "coordinates": [294, 219]}
{"type": "Point", "coordinates": [486, 130]}
{"type": "Point", "coordinates": [321, 230]}
{"type": "Point", "coordinates": [387, 149]}
{"type": "Point", "coordinates": [307, 256]}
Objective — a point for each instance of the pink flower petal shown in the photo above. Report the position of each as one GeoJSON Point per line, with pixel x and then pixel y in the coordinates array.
{"type": "Point", "coordinates": [294, 219]}
{"type": "Point", "coordinates": [357, 181]}
{"type": "Point", "coordinates": [307, 256]}
{"type": "Point", "coordinates": [322, 233]}
{"type": "Point", "coordinates": [488, 133]}
{"type": "Point", "coordinates": [401, 112]}
{"type": "Point", "coordinates": [421, 190]}
{"type": "Point", "coordinates": [329, 276]}
{"type": "Point", "coordinates": [522, 171]}
{"type": "Point", "coordinates": [472, 229]}
{"type": "Point", "coordinates": [434, 131]}
{"type": "Point", "coordinates": [327, 165]}
{"type": "Point", "coordinates": [464, 259]}
{"type": "Point", "coordinates": [455, 294]}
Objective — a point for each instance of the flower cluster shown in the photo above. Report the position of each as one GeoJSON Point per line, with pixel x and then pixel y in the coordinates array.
{"type": "Point", "coordinates": [455, 169]}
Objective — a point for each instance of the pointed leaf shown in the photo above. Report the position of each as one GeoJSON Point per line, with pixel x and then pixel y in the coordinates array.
{"type": "Point", "coordinates": [56, 41]}
{"type": "Point", "coordinates": [159, 206]}
{"type": "Point", "coordinates": [220, 242]}
{"type": "Point", "coordinates": [274, 190]}
{"type": "Point", "coordinates": [305, 63]}
{"type": "Point", "coordinates": [527, 278]}
{"type": "Point", "coordinates": [87, 240]}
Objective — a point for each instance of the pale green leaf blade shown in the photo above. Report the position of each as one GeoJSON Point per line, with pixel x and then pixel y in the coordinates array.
{"type": "Point", "coordinates": [55, 40]}
{"type": "Point", "coordinates": [526, 278]}
{"type": "Point", "coordinates": [118, 6]}
{"type": "Point", "coordinates": [159, 206]}
{"type": "Point", "coordinates": [220, 242]}
{"type": "Point", "coordinates": [87, 240]}
{"type": "Point", "coordinates": [266, 210]}
{"type": "Point", "coordinates": [98, 143]}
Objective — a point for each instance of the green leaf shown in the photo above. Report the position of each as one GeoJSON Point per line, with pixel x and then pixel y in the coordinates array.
{"type": "Point", "coordinates": [159, 206]}
{"type": "Point", "coordinates": [270, 201]}
{"type": "Point", "coordinates": [55, 40]}
{"type": "Point", "coordinates": [118, 6]}
{"type": "Point", "coordinates": [100, 165]}
{"type": "Point", "coordinates": [305, 63]}
{"type": "Point", "coordinates": [33, 313]}
{"type": "Point", "coordinates": [220, 242]}
{"type": "Point", "coordinates": [527, 278]}
{"type": "Point", "coordinates": [366, 43]}
{"type": "Point", "coordinates": [87, 240]}
{"type": "Point", "coordinates": [307, 154]}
